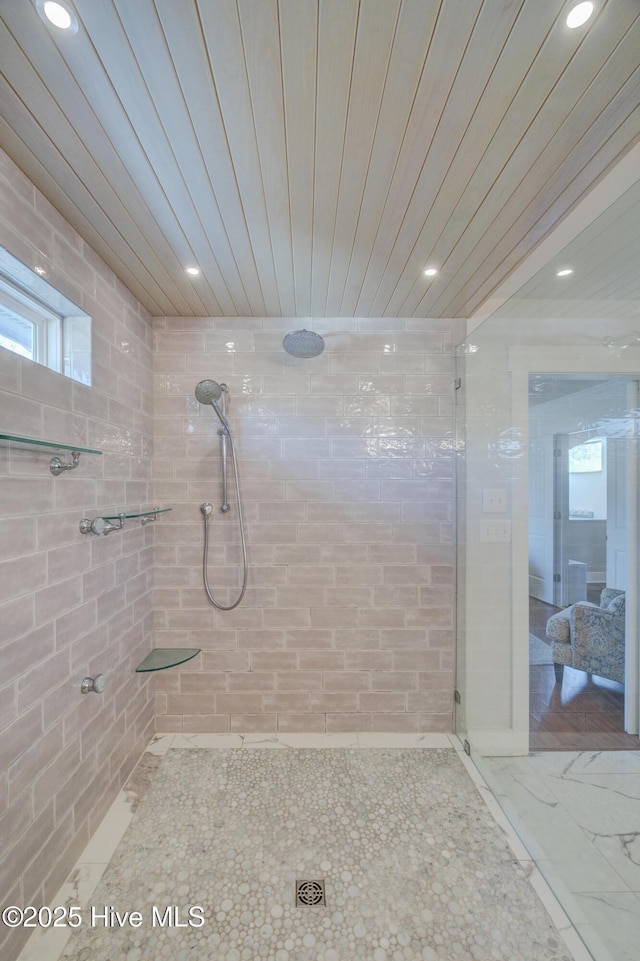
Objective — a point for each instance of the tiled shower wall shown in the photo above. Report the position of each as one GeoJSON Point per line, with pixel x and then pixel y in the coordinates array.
{"type": "Point", "coordinates": [346, 473]}
{"type": "Point", "coordinates": [70, 605]}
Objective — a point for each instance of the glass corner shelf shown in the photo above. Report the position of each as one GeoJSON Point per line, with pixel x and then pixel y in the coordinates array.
{"type": "Point", "coordinates": [163, 657]}
{"type": "Point", "coordinates": [56, 464]}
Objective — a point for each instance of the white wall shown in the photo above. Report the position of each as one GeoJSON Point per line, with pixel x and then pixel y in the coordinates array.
{"type": "Point", "coordinates": [493, 457]}
{"type": "Point", "coordinates": [588, 494]}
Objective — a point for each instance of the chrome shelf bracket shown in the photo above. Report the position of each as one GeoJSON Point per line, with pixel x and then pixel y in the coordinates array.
{"type": "Point", "coordinates": [115, 522]}
{"type": "Point", "coordinates": [57, 465]}
{"type": "Point", "coordinates": [100, 526]}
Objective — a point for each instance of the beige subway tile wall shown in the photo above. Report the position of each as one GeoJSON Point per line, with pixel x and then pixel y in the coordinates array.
{"type": "Point", "coordinates": [70, 605]}
{"type": "Point", "coordinates": [346, 471]}
{"type": "Point", "coordinates": [346, 474]}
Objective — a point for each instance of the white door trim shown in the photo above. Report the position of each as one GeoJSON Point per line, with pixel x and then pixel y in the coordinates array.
{"type": "Point", "coordinates": [523, 361]}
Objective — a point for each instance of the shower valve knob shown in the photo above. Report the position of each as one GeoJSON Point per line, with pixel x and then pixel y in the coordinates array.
{"type": "Point", "coordinates": [95, 685]}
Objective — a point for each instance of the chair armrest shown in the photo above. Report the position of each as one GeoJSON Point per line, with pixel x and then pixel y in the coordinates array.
{"type": "Point", "coordinates": [609, 594]}
{"type": "Point", "coordinates": [585, 615]}
{"type": "Point", "coordinates": [559, 627]}
{"type": "Point", "coordinates": [595, 630]}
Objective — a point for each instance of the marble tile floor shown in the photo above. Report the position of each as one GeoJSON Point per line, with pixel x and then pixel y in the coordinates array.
{"type": "Point", "coordinates": [383, 874]}
{"type": "Point", "coordinates": [578, 813]}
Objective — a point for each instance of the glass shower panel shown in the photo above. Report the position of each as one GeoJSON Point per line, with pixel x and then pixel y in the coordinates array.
{"type": "Point", "coordinates": [510, 378]}
{"type": "Point", "coordinates": [460, 704]}
{"type": "Point", "coordinates": [490, 456]}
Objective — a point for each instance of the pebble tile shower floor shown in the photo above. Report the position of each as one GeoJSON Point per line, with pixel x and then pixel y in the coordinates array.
{"type": "Point", "coordinates": [413, 864]}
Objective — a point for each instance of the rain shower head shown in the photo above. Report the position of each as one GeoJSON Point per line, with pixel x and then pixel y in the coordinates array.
{"type": "Point", "coordinates": [303, 343]}
{"type": "Point", "coordinates": [208, 391]}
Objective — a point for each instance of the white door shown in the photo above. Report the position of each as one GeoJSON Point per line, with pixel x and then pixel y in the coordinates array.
{"type": "Point", "coordinates": [541, 518]}
{"type": "Point", "coordinates": [617, 513]}
{"type": "Point", "coordinates": [621, 481]}
{"type": "Point", "coordinates": [562, 533]}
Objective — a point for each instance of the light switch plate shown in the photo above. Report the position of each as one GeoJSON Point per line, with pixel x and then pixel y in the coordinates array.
{"type": "Point", "coordinates": [494, 501]}
{"type": "Point", "coordinates": [495, 532]}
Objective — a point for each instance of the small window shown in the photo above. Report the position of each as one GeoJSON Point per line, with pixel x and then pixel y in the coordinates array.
{"type": "Point", "coordinates": [37, 322]}
{"type": "Point", "coordinates": [29, 328]}
{"type": "Point", "coordinates": [17, 333]}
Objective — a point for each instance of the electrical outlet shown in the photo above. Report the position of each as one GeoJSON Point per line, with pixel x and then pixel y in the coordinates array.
{"type": "Point", "coordinates": [495, 532]}
{"type": "Point", "coordinates": [494, 501]}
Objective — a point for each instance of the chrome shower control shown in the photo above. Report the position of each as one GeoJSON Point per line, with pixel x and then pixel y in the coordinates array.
{"type": "Point", "coordinates": [94, 685]}
{"type": "Point", "coordinates": [101, 526]}
{"type": "Point", "coordinates": [206, 509]}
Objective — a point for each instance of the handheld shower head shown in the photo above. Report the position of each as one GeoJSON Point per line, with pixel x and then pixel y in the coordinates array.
{"type": "Point", "coordinates": [210, 392]}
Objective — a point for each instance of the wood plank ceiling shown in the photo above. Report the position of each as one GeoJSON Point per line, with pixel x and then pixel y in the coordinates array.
{"type": "Point", "coordinates": [600, 279]}
{"type": "Point", "coordinates": [313, 156]}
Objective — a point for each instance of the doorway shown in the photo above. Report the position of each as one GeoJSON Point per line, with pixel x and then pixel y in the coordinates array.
{"type": "Point", "coordinates": [581, 469]}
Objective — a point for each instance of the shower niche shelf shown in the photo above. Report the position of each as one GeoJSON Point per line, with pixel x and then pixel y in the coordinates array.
{"type": "Point", "coordinates": [56, 464]}
{"type": "Point", "coordinates": [108, 523]}
{"type": "Point", "coordinates": [160, 658]}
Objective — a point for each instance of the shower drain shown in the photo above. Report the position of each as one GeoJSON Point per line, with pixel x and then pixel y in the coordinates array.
{"type": "Point", "coordinates": [309, 893]}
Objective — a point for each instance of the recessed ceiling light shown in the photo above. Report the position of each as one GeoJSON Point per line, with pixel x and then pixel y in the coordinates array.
{"type": "Point", "coordinates": [565, 272]}
{"type": "Point", "coordinates": [58, 15]}
{"type": "Point", "coordinates": [579, 15]}
{"type": "Point", "coordinates": [194, 271]}
{"type": "Point", "coordinates": [431, 271]}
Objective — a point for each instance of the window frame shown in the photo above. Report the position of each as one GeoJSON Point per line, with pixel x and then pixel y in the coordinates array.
{"type": "Point", "coordinates": [62, 339]}
{"type": "Point", "coordinates": [47, 324]}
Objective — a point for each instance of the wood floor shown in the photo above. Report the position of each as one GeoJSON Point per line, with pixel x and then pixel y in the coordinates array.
{"type": "Point", "coordinates": [581, 714]}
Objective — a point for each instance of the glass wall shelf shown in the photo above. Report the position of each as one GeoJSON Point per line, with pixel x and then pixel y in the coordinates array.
{"type": "Point", "coordinates": [56, 464]}
{"type": "Point", "coordinates": [163, 657]}
{"type": "Point", "coordinates": [28, 443]}
{"type": "Point", "coordinates": [149, 515]}
{"type": "Point", "coordinates": [107, 524]}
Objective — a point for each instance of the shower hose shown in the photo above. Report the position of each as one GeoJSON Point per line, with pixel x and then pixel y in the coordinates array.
{"type": "Point", "coordinates": [206, 510]}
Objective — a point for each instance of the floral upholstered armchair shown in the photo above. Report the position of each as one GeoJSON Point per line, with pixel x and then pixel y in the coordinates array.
{"type": "Point", "coordinates": [590, 638]}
